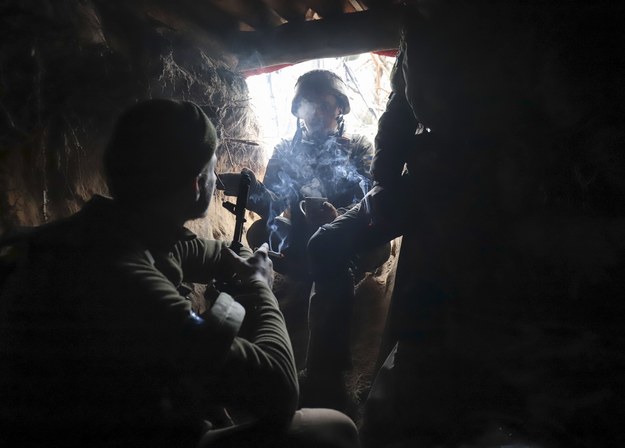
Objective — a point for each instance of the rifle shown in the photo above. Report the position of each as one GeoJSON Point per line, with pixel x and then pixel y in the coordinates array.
{"type": "Point", "coordinates": [238, 210]}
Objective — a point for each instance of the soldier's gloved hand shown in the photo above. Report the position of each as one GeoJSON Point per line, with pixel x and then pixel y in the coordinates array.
{"type": "Point", "coordinates": [259, 198]}
{"type": "Point", "coordinates": [258, 267]}
{"type": "Point", "coordinates": [229, 182]}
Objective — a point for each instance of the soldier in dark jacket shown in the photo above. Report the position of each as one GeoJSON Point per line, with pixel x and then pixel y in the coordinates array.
{"type": "Point", "coordinates": [506, 316]}
{"type": "Point", "coordinates": [100, 347]}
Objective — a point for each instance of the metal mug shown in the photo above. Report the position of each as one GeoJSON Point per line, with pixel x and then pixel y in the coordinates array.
{"type": "Point", "coordinates": [311, 205]}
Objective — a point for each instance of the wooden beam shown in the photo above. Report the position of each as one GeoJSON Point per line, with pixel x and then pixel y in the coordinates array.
{"type": "Point", "coordinates": [206, 15]}
{"type": "Point", "coordinates": [337, 36]}
{"type": "Point", "coordinates": [356, 5]}
{"type": "Point", "coordinates": [253, 12]}
{"type": "Point", "coordinates": [291, 10]}
{"type": "Point", "coordinates": [326, 8]}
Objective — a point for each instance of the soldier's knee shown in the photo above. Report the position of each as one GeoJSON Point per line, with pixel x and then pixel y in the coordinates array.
{"type": "Point", "coordinates": [325, 428]}
{"type": "Point", "coordinates": [257, 233]}
{"type": "Point", "coordinates": [276, 233]}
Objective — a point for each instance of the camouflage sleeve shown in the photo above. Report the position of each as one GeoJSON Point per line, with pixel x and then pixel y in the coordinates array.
{"type": "Point", "coordinates": [276, 165]}
{"type": "Point", "coordinates": [272, 200]}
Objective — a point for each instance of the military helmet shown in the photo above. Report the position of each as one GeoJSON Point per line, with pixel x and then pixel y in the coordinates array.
{"type": "Point", "coordinates": [315, 82]}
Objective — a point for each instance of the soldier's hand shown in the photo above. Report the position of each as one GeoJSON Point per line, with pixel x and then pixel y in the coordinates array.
{"type": "Point", "coordinates": [246, 270]}
{"type": "Point", "coordinates": [229, 182]}
{"type": "Point", "coordinates": [326, 214]}
{"type": "Point", "coordinates": [383, 207]}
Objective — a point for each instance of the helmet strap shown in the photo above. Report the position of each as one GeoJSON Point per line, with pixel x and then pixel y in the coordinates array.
{"type": "Point", "coordinates": [299, 131]}
{"type": "Point", "coordinates": [341, 125]}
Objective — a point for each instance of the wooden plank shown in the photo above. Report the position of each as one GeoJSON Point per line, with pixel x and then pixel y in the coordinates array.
{"type": "Point", "coordinates": [331, 37]}
{"type": "Point", "coordinates": [291, 10]}
{"type": "Point", "coordinates": [253, 12]}
{"type": "Point", "coordinates": [326, 8]}
{"type": "Point", "coordinates": [356, 5]}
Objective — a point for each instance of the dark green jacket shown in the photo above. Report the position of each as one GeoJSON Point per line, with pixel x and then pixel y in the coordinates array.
{"type": "Point", "coordinates": [99, 346]}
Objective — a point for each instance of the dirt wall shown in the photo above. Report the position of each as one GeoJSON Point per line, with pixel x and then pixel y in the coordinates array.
{"type": "Point", "coordinates": [68, 68]}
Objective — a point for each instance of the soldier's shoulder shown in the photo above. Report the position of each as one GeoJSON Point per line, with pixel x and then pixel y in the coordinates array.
{"type": "Point", "coordinates": [360, 142]}
{"type": "Point", "coordinates": [283, 147]}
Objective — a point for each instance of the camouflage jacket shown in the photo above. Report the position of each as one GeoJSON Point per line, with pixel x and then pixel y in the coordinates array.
{"type": "Point", "coordinates": [337, 168]}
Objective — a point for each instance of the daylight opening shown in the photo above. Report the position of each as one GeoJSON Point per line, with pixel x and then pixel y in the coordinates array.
{"type": "Point", "coordinates": [366, 75]}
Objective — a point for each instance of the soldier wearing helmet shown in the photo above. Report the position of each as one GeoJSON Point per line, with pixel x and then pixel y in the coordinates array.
{"type": "Point", "coordinates": [318, 95]}
{"type": "Point", "coordinates": [323, 161]}
{"type": "Point", "coordinates": [320, 160]}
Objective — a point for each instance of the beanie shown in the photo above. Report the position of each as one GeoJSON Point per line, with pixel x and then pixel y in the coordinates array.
{"type": "Point", "coordinates": [156, 146]}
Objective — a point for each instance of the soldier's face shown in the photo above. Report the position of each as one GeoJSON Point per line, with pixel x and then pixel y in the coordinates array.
{"type": "Point", "coordinates": [319, 114]}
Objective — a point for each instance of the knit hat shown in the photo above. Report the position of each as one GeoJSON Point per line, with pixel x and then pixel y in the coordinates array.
{"type": "Point", "coordinates": [157, 145]}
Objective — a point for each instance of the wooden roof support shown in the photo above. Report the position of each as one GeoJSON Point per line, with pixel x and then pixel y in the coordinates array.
{"type": "Point", "coordinates": [326, 8]}
{"type": "Point", "coordinates": [355, 5]}
{"type": "Point", "coordinates": [253, 12]}
{"type": "Point", "coordinates": [331, 37]}
{"type": "Point", "coordinates": [291, 10]}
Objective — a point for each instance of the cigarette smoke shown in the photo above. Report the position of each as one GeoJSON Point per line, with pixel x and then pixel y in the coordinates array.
{"type": "Point", "coordinates": [315, 169]}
